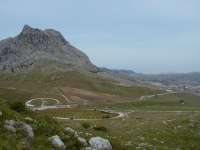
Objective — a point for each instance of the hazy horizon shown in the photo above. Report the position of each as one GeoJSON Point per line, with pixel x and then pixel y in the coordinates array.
{"type": "Point", "coordinates": [147, 36]}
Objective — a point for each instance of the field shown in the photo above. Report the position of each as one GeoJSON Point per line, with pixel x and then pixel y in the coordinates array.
{"type": "Point", "coordinates": [148, 130]}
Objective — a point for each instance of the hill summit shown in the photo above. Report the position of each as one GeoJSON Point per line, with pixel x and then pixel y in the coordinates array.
{"type": "Point", "coordinates": [47, 49]}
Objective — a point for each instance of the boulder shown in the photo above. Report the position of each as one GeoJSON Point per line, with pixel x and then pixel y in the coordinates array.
{"type": "Point", "coordinates": [71, 131]}
{"type": "Point", "coordinates": [57, 142]}
{"type": "Point", "coordinates": [99, 143]}
{"type": "Point", "coordinates": [13, 126]}
{"type": "Point", "coordinates": [82, 141]}
{"type": "Point", "coordinates": [10, 125]}
{"type": "Point", "coordinates": [27, 129]}
{"type": "Point", "coordinates": [74, 133]}
{"type": "Point", "coordinates": [1, 113]}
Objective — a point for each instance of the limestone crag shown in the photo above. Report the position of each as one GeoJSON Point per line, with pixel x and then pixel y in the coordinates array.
{"type": "Point", "coordinates": [46, 48]}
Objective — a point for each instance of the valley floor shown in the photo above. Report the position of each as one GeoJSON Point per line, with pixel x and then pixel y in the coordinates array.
{"type": "Point", "coordinates": [163, 121]}
{"type": "Point", "coordinates": [150, 120]}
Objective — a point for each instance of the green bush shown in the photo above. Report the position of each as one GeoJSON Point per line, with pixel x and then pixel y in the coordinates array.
{"type": "Point", "coordinates": [46, 126]}
{"type": "Point", "coordinates": [106, 116]}
{"type": "Point", "coordinates": [17, 106]}
{"type": "Point", "coordinates": [181, 101]}
{"type": "Point", "coordinates": [85, 125]}
{"type": "Point", "coordinates": [100, 128]}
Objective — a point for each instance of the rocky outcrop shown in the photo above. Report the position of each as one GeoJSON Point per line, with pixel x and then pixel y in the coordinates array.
{"type": "Point", "coordinates": [10, 125]}
{"type": "Point", "coordinates": [27, 129]}
{"type": "Point", "coordinates": [57, 142]}
{"type": "Point", "coordinates": [99, 143]}
{"type": "Point", "coordinates": [75, 134]}
{"type": "Point", "coordinates": [13, 126]}
{"type": "Point", "coordinates": [35, 48]}
{"type": "Point", "coordinates": [95, 143]}
{"type": "Point", "coordinates": [71, 131]}
{"type": "Point", "coordinates": [82, 141]}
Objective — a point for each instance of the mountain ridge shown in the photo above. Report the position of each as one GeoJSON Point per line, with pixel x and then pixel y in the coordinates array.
{"type": "Point", "coordinates": [33, 47]}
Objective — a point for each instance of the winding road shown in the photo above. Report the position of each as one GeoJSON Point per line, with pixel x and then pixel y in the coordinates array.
{"type": "Point", "coordinates": [119, 114]}
{"type": "Point", "coordinates": [57, 106]}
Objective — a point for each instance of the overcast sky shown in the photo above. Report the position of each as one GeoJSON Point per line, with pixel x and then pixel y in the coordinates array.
{"type": "Point", "coordinates": [149, 36]}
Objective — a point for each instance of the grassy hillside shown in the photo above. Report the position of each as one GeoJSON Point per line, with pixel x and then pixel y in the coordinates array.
{"type": "Point", "coordinates": [161, 122]}
{"type": "Point", "coordinates": [45, 84]}
{"type": "Point", "coordinates": [43, 126]}
{"type": "Point", "coordinates": [171, 102]}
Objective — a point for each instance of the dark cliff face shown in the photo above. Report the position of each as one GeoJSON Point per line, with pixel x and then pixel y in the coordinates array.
{"type": "Point", "coordinates": [33, 47]}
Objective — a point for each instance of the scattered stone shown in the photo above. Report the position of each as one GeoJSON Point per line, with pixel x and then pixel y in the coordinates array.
{"type": "Point", "coordinates": [155, 139]}
{"type": "Point", "coordinates": [74, 133]}
{"type": "Point", "coordinates": [162, 142]}
{"type": "Point", "coordinates": [99, 143]}
{"type": "Point", "coordinates": [88, 148]}
{"type": "Point", "coordinates": [169, 120]}
{"type": "Point", "coordinates": [164, 122]}
{"type": "Point", "coordinates": [179, 127]}
{"type": "Point", "coordinates": [129, 143]}
{"type": "Point", "coordinates": [27, 129]}
{"type": "Point", "coordinates": [88, 134]}
{"type": "Point", "coordinates": [143, 145]}
{"type": "Point", "coordinates": [13, 126]}
{"type": "Point", "coordinates": [141, 138]}
{"type": "Point", "coordinates": [82, 141]}
{"type": "Point", "coordinates": [191, 125]}
{"type": "Point", "coordinates": [10, 125]}
{"type": "Point", "coordinates": [57, 142]}
{"type": "Point", "coordinates": [71, 131]}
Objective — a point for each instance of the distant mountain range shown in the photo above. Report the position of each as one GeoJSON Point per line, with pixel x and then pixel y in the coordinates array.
{"type": "Point", "coordinates": [173, 79]}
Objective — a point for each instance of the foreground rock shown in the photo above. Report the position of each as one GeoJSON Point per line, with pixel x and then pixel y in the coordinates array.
{"type": "Point", "coordinates": [74, 133]}
{"type": "Point", "coordinates": [13, 126]}
{"type": "Point", "coordinates": [10, 125]}
{"type": "Point", "coordinates": [71, 131]}
{"type": "Point", "coordinates": [99, 143]}
{"type": "Point", "coordinates": [57, 142]}
{"type": "Point", "coordinates": [27, 129]}
{"type": "Point", "coordinates": [95, 143]}
{"type": "Point", "coordinates": [82, 141]}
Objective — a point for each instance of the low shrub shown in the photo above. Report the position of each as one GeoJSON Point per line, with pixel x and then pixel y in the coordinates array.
{"type": "Point", "coordinates": [17, 106]}
{"type": "Point", "coordinates": [107, 116]}
{"type": "Point", "coordinates": [100, 128]}
{"type": "Point", "coordinates": [85, 125]}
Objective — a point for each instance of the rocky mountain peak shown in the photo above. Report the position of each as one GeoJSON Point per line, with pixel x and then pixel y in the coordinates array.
{"type": "Point", "coordinates": [33, 46]}
{"type": "Point", "coordinates": [27, 28]}
{"type": "Point", "coordinates": [32, 36]}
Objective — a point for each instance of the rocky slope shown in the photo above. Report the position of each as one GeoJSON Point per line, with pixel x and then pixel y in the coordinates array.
{"type": "Point", "coordinates": [47, 49]}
